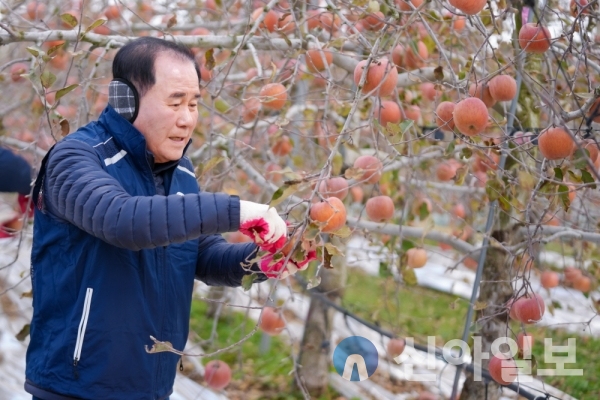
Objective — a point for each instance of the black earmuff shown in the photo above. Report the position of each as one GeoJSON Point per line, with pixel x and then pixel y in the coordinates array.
{"type": "Point", "coordinates": [124, 98]}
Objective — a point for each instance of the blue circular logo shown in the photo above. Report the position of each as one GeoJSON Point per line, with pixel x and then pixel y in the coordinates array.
{"type": "Point", "coordinates": [355, 358]}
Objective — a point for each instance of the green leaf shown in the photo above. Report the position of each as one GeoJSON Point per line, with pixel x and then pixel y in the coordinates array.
{"type": "Point", "coordinates": [33, 51]}
{"type": "Point", "coordinates": [466, 153]}
{"type": "Point", "coordinates": [580, 158]}
{"type": "Point", "coordinates": [406, 245]}
{"type": "Point", "coordinates": [334, 251]}
{"type": "Point", "coordinates": [222, 106]}
{"type": "Point", "coordinates": [343, 232]}
{"type": "Point", "coordinates": [494, 189]}
{"type": "Point", "coordinates": [586, 177]}
{"type": "Point", "coordinates": [94, 25]}
{"type": "Point", "coordinates": [504, 204]}
{"type": "Point", "coordinates": [405, 125]}
{"type": "Point", "coordinates": [574, 177]}
{"type": "Point", "coordinates": [312, 231]}
{"type": "Point", "coordinates": [409, 276]}
{"type": "Point", "coordinates": [23, 333]}
{"type": "Point", "coordinates": [53, 50]}
{"type": "Point", "coordinates": [450, 148]}
{"type": "Point", "coordinates": [69, 20]}
{"type": "Point", "coordinates": [563, 192]}
{"type": "Point", "coordinates": [558, 174]}
{"type": "Point", "coordinates": [461, 174]}
{"type": "Point", "coordinates": [384, 271]}
{"type": "Point", "coordinates": [283, 193]}
{"type": "Point", "coordinates": [65, 90]}
{"type": "Point", "coordinates": [423, 211]}
{"type": "Point", "coordinates": [47, 79]}
{"type": "Point", "coordinates": [248, 280]}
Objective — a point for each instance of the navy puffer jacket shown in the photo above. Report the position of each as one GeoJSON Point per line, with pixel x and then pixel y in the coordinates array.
{"type": "Point", "coordinates": [113, 263]}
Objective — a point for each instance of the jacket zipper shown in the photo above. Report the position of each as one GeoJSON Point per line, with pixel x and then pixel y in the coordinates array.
{"type": "Point", "coordinates": [81, 331]}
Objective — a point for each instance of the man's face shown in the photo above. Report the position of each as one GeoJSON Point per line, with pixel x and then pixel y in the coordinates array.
{"type": "Point", "coordinates": [169, 110]}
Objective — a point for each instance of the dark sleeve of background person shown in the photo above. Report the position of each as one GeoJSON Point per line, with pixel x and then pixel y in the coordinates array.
{"type": "Point", "coordinates": [15, 172]}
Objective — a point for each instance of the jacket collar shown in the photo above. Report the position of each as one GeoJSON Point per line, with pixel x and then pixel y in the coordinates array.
{"type": "Point", "coordinates": [130, 139]}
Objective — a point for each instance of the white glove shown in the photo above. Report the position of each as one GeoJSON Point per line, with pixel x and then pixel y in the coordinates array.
{"type": "Point", "coordinates": [263, 225]}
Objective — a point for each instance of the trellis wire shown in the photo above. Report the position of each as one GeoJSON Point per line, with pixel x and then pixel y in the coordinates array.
{"type": "Point", "coordinates": [315, 292]}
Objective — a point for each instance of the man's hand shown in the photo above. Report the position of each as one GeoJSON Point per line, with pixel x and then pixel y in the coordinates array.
{"type": "Point", "coordinates": [263, 225]}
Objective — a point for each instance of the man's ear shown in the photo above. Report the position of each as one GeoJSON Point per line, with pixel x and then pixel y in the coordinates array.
{"type": "Point", "coordinates": [124, 98]}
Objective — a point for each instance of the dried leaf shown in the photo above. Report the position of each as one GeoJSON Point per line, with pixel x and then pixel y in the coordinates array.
{"type": "Point", "coordinates": [172, 21]}
{"type": "Point", "coordinates": [461, 174]}
{"type": "Point", "coordinates": [27, 294]}
{"type": "Point", "coordinates": [159, 347]}
{"type": "Point", "coordinates": [209, 57]}
{"type": "Point", "coordinates": [210, 164]}
{"type": "Point", "coordinates": [326, 259]}
{"type": "Point", "coordinates": [480, 305]}
{"type": "Point", "coordinates": [313, 282]}
{"type": "Point", "coordinates": [23, 333]}
{"type": "Point", "coordinates": [334, 251]}
{"type": "Point", "coordinates": [65, 128]}
{"type": "Point", "coordinates": [454, 304]}
{"type": "Point", "coordinates": [438, 73]}
{"type": "Point", "coordinates": [354, 173]}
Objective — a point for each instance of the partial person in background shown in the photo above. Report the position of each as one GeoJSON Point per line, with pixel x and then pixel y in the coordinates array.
{"type": "Point", "coordinates": [15, 185]}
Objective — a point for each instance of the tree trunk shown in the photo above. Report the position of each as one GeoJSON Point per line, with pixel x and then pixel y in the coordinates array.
{"type": "Point", "coordinates": [314, 357]}
{"type": "Point", "coordinates": [218, 294]}
{"type": "Point", "coordinates": [495, 290]}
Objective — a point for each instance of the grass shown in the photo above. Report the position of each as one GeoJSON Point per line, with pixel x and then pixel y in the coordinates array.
{"type": "Point", "coordinates": [419, 312]}
{"type": "Point", "coordinates": [406, 311]}
{"type": "Point", "coordinates": [256, 375]}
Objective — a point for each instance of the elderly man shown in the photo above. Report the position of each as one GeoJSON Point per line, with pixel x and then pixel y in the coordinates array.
{"type": "Point", "coordinates": [121, 231]}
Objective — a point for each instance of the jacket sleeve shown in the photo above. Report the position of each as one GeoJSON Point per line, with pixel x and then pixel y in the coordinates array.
{"type": "Point", "coordinates": [220, 263]}
{"type": "Point", "coordinates": [15, 173]}
{"type": "Point", "coordinates": [77, 190]}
